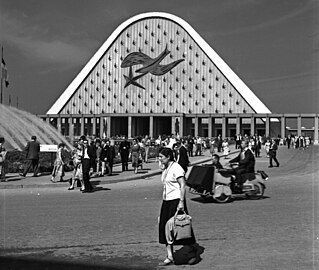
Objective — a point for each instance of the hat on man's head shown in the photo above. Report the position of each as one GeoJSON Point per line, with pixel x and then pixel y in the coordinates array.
{"type": "Point", "coordinates": [83, 138]}
{"type": "Point", "coordinates": [33, 137]}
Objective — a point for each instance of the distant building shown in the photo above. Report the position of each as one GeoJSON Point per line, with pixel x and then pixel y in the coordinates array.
{"type": "Point", "coordinates": [156, 75]}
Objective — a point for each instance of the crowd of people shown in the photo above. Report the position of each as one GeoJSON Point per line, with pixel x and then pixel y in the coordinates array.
{"type": "Point", "coordinates": [103, 152]}
{"type": "Point", "coordinates": [96, 157]}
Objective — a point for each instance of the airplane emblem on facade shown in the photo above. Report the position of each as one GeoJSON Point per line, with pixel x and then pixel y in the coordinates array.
{"type": "Point", "coordinates": [149, 65]}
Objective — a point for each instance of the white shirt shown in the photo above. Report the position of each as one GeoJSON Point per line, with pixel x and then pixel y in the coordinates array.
{"type": "Point", "coordinates": [171, 187]}
{"type": "Point", "coordinates": [172, 141]}
{"type": "Point", "coordinates": [86, 156]}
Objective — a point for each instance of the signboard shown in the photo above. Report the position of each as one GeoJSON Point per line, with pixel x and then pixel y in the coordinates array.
{"type": "Point", "coordinates": [48, 148]}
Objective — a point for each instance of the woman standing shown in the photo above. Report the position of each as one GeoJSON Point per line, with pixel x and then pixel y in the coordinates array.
{"type": "Point", "coordinates": [58, 169]}
{"type": "Point", "coordinates": [77, 171]}
{"type": "Point", "coordinates": [267, 147]}
{"type": "Point", "coordinates": [225, 148]}
{"type": "Point", "coordinates": [173, 200]}
{"type": "Point", "coordinates": [3, 154]}
{"type": "Point", "coordinates": [135, 154]}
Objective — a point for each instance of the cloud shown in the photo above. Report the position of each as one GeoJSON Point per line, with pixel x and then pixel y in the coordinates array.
{"type": "Point", "coordinates": [273, 20]}
{"type": "Point", "coordinates": [34, 43]}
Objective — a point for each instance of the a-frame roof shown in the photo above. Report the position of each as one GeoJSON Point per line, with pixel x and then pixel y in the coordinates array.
{"type": "Point", "coordinates": [253, 101]}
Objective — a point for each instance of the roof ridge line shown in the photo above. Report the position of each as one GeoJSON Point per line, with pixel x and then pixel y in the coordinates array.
{"type": "Point", "coordinates": [256, 104]}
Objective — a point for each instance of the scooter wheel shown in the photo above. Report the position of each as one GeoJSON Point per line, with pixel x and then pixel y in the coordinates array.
{"type": "Point", "coordinates": [222, 194]}
{"type": "Point", "coordinates": [257, 193]}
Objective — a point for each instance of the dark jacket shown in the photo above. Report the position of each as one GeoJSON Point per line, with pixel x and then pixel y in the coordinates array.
{"type": "Point", "coordinates": [183, 158]}
{"type": "Point", "coordinates": [124, 147]}
{"type": "Point", "coordinates": [273, 149]}
{"type": "Point", "coordinates": [110, 152]}
{"type": "Point", "coordinates": [103, 152]}
{"type": "Point", "coordinates": [247, 164]}
{"type": "Point", "coordinates": [32, 148]}
{"type": "Point", "coordinates": [91, 153]}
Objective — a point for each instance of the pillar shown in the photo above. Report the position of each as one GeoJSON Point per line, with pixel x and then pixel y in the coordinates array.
{"type": "Point", "coordinates": [71, 128]}
{"type": "Point", "coordinates": [59, 124]}
{"type": "Point", "coordinates": [316, 135]}
{"type": "Point", "coordinates": [173, 129]}
{"type": "Point", "coordinates": [181, 126]}
{"type": "Point", "coordinates": [238, 125]}
{"type": "Point", "coordinates": [108, 126]}
{"type": "Point", "coordinates": [252, 126]}
{"type": "Point", "coordinates": [210, 127]}
{"type": "Point", "coordinates": [151, 132]}
{"type": "Point", "coordinates": [267, 126]}
{"type": "Point", "coordinates": [196, 127]}
{"type": "Point", "coordinates": [94, 126]}
{"type": "Point", "coordinates": [224, 127]}
{"type": "Point", "coordinates": [101, 126]}
{"type": "Point", "coordinates": [47, 120]}
{"type": "Point", "coordinates": [82, 125]}
{"type": "Point", "coordinates": [283, 127]}
{"type": "Point", "coordinates": [129, 127]}
{"type": "Point", "coordinates": [299, 125]}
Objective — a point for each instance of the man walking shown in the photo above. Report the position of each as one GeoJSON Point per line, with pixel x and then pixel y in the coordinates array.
{"type": "Point", "coordinates": [32, 150]}
{"type": "Point", "coordinates": [273, 153]}
{"type": "Point", "coordinates": [124, 151]}
{"type": "Point", "coordinates": [182, 157]}
{"type": "Point", "coordinates": [87, 157]}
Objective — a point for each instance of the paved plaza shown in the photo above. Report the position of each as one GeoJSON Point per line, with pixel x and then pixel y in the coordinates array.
{"type": "Point", "coordinates": [49, 227]}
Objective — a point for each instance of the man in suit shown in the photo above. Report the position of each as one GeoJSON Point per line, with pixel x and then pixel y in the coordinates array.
{"type": "Point", "coordinates": [32, 150]}
{"type": "Point", "coordinates": [87, 157]}
{"type": "Point", "coordinates": [245, 161]}
{"type": "Point", "coordinates": [124, 151]}
{"type": "Point", "coordinates": [110, 155]}
{"type": "Point", "coordinates": [190, 145]}
{"type": "Point", "coordinates": [181, 157]}
{"type": "Point", "coordinates": [273, 154]}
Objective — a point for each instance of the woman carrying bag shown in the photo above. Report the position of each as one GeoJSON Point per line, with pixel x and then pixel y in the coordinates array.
{"type": "Point", "coordinates": [174, 185]}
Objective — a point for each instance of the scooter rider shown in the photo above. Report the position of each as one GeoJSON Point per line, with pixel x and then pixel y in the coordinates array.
{"type": "Point", "coordinates": [245, 161]}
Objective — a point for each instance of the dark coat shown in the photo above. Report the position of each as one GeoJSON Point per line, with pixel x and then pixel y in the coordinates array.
{"type": "Point", "coordinates": [91, 153]}
{"type": "Point", "coordinates": [183, 158]}
{"type": "Point", "coordinates": [247, 164]}
{"type": "Point", "coordinates": [109, 152]}
{"type": "Point", "coordinates": [32, 148]}
{"type": "Point", "coordinates": [273, 149]}
{"type": "Point", "coordinates": [103, 152]}
{"type": "Point", "coordinates": [124, 147]}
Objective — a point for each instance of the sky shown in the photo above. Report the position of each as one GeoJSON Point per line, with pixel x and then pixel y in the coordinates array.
{"type": "Point", "coordinates": [272, 45]}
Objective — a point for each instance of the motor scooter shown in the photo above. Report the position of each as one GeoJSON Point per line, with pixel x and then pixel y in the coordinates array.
{"type": "Point", "coordinates": [222, 185]}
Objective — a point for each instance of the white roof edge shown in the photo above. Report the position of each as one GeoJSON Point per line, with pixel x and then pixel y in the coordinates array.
{"type": "Point", "coordinates": [241, 87]}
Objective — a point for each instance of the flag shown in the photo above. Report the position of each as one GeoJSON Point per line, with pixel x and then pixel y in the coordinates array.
{"type": "Point", "coordinates": [4, 72]}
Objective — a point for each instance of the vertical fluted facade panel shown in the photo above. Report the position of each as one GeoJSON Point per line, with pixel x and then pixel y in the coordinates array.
{"type": "Point", "coordinates": [195, 85]}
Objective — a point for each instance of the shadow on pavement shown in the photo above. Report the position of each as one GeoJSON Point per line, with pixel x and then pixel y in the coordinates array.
{"type": "Point", "coordinates": [206, 200]}
{"type": "Point", "coordinates": [186, 253]}
{"type": "Point", "coordinates": [36, 264]}
{"type": "Point", "coordinates": [100, 189]}
{"type": "Point", "coordinates": [211, 200]}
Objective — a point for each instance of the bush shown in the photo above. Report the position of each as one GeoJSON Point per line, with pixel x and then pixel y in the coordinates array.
{"type": "Point", "coordinates": [16, 161]}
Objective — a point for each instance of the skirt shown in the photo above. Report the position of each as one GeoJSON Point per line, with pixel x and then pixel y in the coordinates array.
{"type": "Point", "coordinates": [168, 210]}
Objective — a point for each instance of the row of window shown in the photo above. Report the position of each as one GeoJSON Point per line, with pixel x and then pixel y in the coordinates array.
{"type": "Point", "coordinates": [151, 111]}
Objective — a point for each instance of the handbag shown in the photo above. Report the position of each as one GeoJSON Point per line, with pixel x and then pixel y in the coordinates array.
{"type": "Point", "coordinates": [182, 225]}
